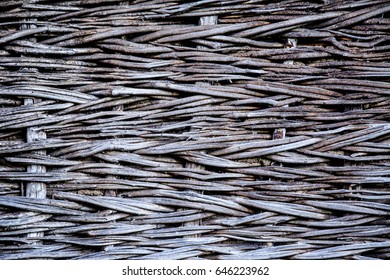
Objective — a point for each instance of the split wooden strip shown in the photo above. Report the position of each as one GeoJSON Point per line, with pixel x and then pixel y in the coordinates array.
{"type": "Point", "coordinates": [130, 206]}
{"type": "Point", "coordinates": [35, 120]}
{"type": "Point", "coordinates": [244, 220]}
{"type": "Point", "coordinates": [210, 31]}
{"type": "Point", "coordinates": [174, 254]}
{"type": "Point", "coordinates": [47, 177]}
{"type": "Point", "coordinates": [205, 206]}
{"type": "Point", "coordinates": [135, 48]}
{"type": "Point", "coordinates": [116, 157]}
{"type": "Point", "coordinates": [285, 208]}
{"type": "Point", "coordinates": [274, 150]}
{"type": "Point", "coordinates": [199, 174]}
{"type": "Point", "coordinates": [355, 17]}
{"type": "Point", "coordinates": [351, 180]}
{"type": "Point", "coordinates": [42, 159]}
{"type": "Point", "coordinates": [105, 34]}
{"type": "Point", "coordinates": [42, 49]}
{"type": "Point", "coordinates": [243, 146]}
{"type": "Point", "coordinates": [198, 184]}
{"type": "Point", "coordinates": [182, 242]}
{"type": "Point", "coordinates": [295, 158]}
{"type": "Point", "coordinates": [88, 148]}
{"type": "Point", "coordinates": [343, 157]}
{"type": "Point", "coordinates": [23, 218]}
{"type": "Point", "coordinates": [235, 40]}
{"type": "Point", "coordinates": [274, 252]}
{"type": "Point", "coordinates": [198, 90]}
{"type": "Point", "coordinates": [88, 242]}
{"type": "Point", "coordinates": [342, 251]}
{"type": "Point", "coordinates": [42, 106]}
{"type": "Point", "coordinates": [41, 205]}
{"type": "Point", "coordinates": [114, 254]}
{"type": "Point", "coordinates": [292, 90]}
{"type": "Point", "coordinates": [42, 252]}
{"type": "Point", "coordinates": [99, 217]}
{"type": "Point", "coordinates": [197, 197]}
{"type": "Point", "coordinates": [205, 159]}
{"type": "Point", "coordinates": [111, 169]}
{"type": "Point", "coordinates": [344, 221]}
{"type": "Point", "coordinates": [347, 207]}
{"type": "Point", "coordinates": [120, 229]}
{"type": "Point", "coordinates": [175, 147]}
{"type": "Point", "coordinates": [12, 148]}
{"type": "Point", "coordinates": [286, 25]}
{"type": "Point", "coordinates": [186, 230]}
{"type": "Point", "coordinates": [353, 138]}
{"type": "Point", "coordinates": [141, 92]}
{"type": "Point", "coordinates": [47, 93]}
{"type": "Point", "coordinates": [33, 31]}
{"type": "Point", "coordinates": [344, 232]}
{"type": "Point", "coordinates": [184, 216]}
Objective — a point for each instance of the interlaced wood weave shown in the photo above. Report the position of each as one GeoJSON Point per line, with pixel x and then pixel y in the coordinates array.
{"type": "Point", "coordinates": [194, 129]}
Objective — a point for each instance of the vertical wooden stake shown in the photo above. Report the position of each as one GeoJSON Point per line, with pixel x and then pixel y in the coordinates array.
{"type": "Point", "coordinates": [280, 133]}
{"type": "Point", "coordinates": [206, 20]}
{"type": "Point", "coordinates": [33, 134]}
{"type": "Point", "coordinates": [35, 189]}
{"type": "Point", "coordinates": [349, 108]}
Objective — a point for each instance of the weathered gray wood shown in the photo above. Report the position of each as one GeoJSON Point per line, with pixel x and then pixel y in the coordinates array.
{"type": "Point", "coordinates": [169, 136]}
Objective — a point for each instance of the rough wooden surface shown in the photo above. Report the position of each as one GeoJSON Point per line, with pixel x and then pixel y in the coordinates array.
{"type": "Point", "coordinates": [194, 129]}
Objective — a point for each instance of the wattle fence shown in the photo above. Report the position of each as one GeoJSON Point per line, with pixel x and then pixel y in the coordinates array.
{"type": "Point", "coordinates": [194, 129]}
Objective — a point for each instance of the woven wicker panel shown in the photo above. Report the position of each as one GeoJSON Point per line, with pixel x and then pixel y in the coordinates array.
{"type": "Point", "coordinates": [194, 129]}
